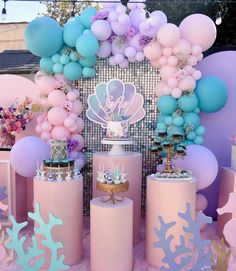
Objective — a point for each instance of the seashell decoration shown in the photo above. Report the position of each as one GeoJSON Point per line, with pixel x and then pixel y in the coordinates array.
{"type": "Point", "coordinates": [115, 101]}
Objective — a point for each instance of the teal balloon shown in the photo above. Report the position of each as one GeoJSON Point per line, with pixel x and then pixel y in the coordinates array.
{"type": "Point", "coordinates": [88, 72]}
{"type": "Point", "coordinates": [88, 62]}
{"type": "Point", "coordinates": [44, 37]}
{"type": "Point", "coordinates": [46, 64]}
{"type": "Point", "coordinates": [171, 130]}
{"type": "Point", "coordinates": [197, 110]}
{"type": "Point", "coordinates": [188, 142]}
{"type": "Point", "coordinates": [178, 121]}
{"type": "Point", "coordinates": [191, 135]}
{"type": "Point", "coordinates": [188, 102]}
{"type": "Point", "coordinates": [200, 130]}
{"type": "Point", "coordinates": [63, 49]}
{"type": "Point", "coordinates": [74, 56]}
{"type": "Point", "coordinates": [161, 126]}
{"type": "Point", "coordinates": [71, 32]}
{"type": "Point", "coordinates": [192, 119]}
{"type": "Point", "coordinates": [56, 58]}
{"type": "Point", "coordinates": [72, 71]}
{"type": "Point", "coordinates": [161, 117]}
{"type": "Point", "coordinates": [86, 16]}
{"type": "Point", "coordinates": [166, 104]}
{"type": "Point", "coordinates": [212, 94]}
{"type": "Point", "coordinates": [64, 59]}
{"type": "Point", "coordinates": [198, 140]}
{"type": "Point", "coordinates": [58, 68]}
{"type": "Point", "coordinates": [168, 120]}
{"type": "Point", "coordinates": [87, 45]}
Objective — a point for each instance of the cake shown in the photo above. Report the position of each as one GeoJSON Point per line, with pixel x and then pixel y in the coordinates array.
{"type": "Point", "coordinates": [58, 167]}
{"type": "Point", "coordinates": [117, 130]}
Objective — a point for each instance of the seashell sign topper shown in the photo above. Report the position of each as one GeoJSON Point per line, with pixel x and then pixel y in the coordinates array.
{"type": "Point", "coordinates": [115, 101]}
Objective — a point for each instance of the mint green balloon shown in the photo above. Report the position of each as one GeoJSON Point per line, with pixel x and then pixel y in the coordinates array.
{"type": "Point", "coordinates": [188, 102]}
{"type": "Point", "coordinates": [72, 31]}
{"type": "Point", "coordinates": [64, 59]}
{"type": "Point", "coordinates": [58, 68]}
{"type": "Point", "coordinates": [56, 58]}
{"type": "Point", "coordinates": [87, 45]}
{"type": "Point", "coordinates": [72, 71]}
{"type": "Point", "coordinates": [46, 64]}
{"type": "Point", "coordinates": [86, 16]}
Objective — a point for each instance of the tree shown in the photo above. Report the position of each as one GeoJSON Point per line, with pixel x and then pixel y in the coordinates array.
{"type": "Point", "coordinates": [63, 10]}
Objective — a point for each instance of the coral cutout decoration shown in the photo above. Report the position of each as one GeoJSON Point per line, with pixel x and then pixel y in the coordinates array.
{"type": "Point", "coordinates": [115, 101]}
{"type": "Point", "coordinates": [230, 226]}
{"type": "Point", "coordinates": [194, 255]}
{"type": "Point", "coordinates": [33, 258]}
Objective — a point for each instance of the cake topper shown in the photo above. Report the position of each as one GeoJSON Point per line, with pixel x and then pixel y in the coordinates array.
{"type": "Point", "coordinates": [115, 103]}
{"type": "Point", "coordinates": [68, 174]}
{"type": "Point", "coordinates": [59, 174]}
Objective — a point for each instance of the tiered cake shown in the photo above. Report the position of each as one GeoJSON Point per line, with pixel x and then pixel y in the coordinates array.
{"type": "Point", "coordinates": [117, 130]}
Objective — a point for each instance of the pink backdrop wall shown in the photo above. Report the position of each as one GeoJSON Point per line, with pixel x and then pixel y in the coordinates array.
{"type": "Point", "coordinates": [221, 125]}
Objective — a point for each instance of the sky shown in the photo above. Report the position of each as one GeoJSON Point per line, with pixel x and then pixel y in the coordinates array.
{"type": "Point", "coordinates": [22, 11]}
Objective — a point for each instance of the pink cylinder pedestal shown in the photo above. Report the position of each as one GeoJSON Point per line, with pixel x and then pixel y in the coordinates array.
{"type": "Point", "coordinates": [65, 200]}
{"type": "Point", "coordinates": [111, 235]}
{"type": "Point", "coordinates": [133, 165]}
{"type": "Point", "coordinates": [166, 198]}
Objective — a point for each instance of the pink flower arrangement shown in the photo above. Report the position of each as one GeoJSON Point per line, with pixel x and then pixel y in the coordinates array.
{"type": "Point", "coordinates": [14, 118]}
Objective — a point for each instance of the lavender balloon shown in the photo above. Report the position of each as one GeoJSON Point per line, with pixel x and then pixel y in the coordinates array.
{"type": "Point", "coordinates": [104, 49]}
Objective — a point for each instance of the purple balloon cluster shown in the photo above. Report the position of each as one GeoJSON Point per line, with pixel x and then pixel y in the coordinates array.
{"type": "Point", "coordinates": [122, 35]}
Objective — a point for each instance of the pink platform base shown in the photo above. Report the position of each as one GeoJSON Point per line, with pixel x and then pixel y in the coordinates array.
{"type": "Point", "coordinates": [65, 200]}
{"type": "Point", "coordinates": [166, 198]}
{"type": "Point", "coordinates": [133, 165]}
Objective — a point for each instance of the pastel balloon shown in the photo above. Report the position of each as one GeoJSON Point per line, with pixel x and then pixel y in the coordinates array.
{"type": "Point", "coordinates": [188, 83]}
{"type": "Point", "coordinates": [118, 28]}
{"type": "Point", "coordinates": [135, 17]}
{"type": "Point", "coordinates": [212, 94]}
{"type": "Point", "coordinates": [139, 56]}
{"type": "Point", "coordinates": [104, 49]}
{"type": "Point", "coordinates": [152, 51]}
{"type": "Point", "coordinates": [83, 48]}
{"type": "Point", "coordinates": [135, 42]}
{"type": "Point", "coordinates": [26, 153]}
{"type": "Point", "coordinates": [80, 140]}
{"type": "Point", "coordinates": [203, 164]}
{"type": "Point", "coordinates": [64, 59]}
{"type": "Point", "coordinates": [57, 68]}
{"type": "Point", "coordinates": [172, 82]}
{"type": "Point", "coordinates": [88, 62]}
{"type": "Point", "coordinates": [43, 36]}
{"type": "Point", "coordinates": [188, 102]}
{"type": "Point", "coordinates": [45, 83]}
{"type": "Point", "coordinates": [167, 52]}
{"type": "Point", "coordinates": [197, 75]}
{"type": "Point", "coordinates": [38, 129]}
{"type": "Point", "coordinates": [60, 132]}
{"type": "Point", "coordinates": [189, 69]}
{"type": "Point", "coordinates": [88, 72]}
{"type": "Point", "coordinates": [80, 124]}
{"type": "Point", "coordinates": [161, 15]}
{"type": "Point", "coordinates": [198, 29]}
{"type": "Point", "coordinates": [162, 89]}
{"type": "Point", "coordinates": [124, 64]}
{"type": "Point", "coordinates": [162, 61]}
{"type": "Point", "coordinates": [77, 107]}
{"type": "Point", "coordinates": [196, 50]}
{"type": "Point", "coordinates": [101, 29]}
{"type": "Point", "coordinates": [182, 49]}
{"type": "Point", "coordinates": [123, 18]}
{"type": "Point", "coordinates": [166, 105]}
{"type": "Point", "coordinates": [166, 72]}
{"type": "Point", "coordinates": [72, 71]}
{"type": "Point", "coordinates": [56, 98]}
{"type": "Point", "coordinates": [46, 126]}
{"type": "Point", "coordinates": [69, 122]}
{"type": "Point", "coordinates": [86, 16]}
{"type": "Point", "coordinates": [71, 33]}
{"type": "Point", "coordinates": [45, 136]}
{"type": "Point", "coordinates": [192, 60]}
{"type": "Point", "coordinates": [155, 64]}
{"type": "Point", "coordinates": [72, 95]}
{"type": "Point", "coordinates": [130, 52]}
{"type": "Point", "coordinates": [118, 46]}
{"type": "Point", "coordinates": [168, 35]}
{"type": "Point", "coordinates": [173, 61]}
{"type": "Point", "coordinates": [57, 116]}
{"type": "Point", "coordinates": [46, 64]}
{"type": "Point", "coordinates": [191, 119]}
{"type": "Point", "coordinates": [176, 93]}
{"type": "Point", "coordinates": [73, 155]}
{"type": "Point", "coordinates": [56, 58]}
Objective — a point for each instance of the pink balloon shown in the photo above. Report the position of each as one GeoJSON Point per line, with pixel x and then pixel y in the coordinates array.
{"type": "Point", "coordinates": [135, 17]}
{"type": "Point", "coordinates": [46, 126]}
{"type": "Point", "coordinates": [161, 15]}
{"type": "Point", "coordinates": [69, 122]}
{"type": "Point", "coordinates": [162, 89]}
{"type": "Point", "coordinates": [101, 29]}
{"type": "Point", "coordinates": [119, 58]}
{"type": "Point", "coordinates": [45, 136]}
{"type": "Point", "coordinates": [172, 82]}
{"type": "Point", "coordinates": [38, 129]}
{"type": "Point", "coordinates": [104, 49]}
{"type": "Point", "coordinates": [173, 61]}
{"type": "Point", "coordinates": [77, 107]}
{"type": "Point", "coordinates": [198, 29]}
{"type": "Point", "coordinates": [182, 49]}
{"type": "Point", "coordinates": [168, 35]}
{"type": "Point", "coordinates": [45, 83]}
{"type": "Point", "coordinates": [119, 45]}
{"type": "Point", "coordinates": [56, 98]}
{"type": "Point", "coordinates": [196, 50]}
{"type": "Point", "coordinates": [201, 202]}
{"type": "Point", "coordinates": [188, 83]}
{"type": "Point", "coordinates": [135, 42]}
{"type": "Point", "coordinates": [80, 140]}
{"type": "Point", "coordinates": [152, 51]}
{"type": "Point", "coordinates": [167, 71]}
{"type": "Point", "coordinates": [118, 28]}
{"type": "Point", "coordinates": [155, 64]}
{"type": "Point", "coordinates": [192, 60]}
{"type": "Point", "coordinates": [130, 52]}
{"type": "Point", "coordinates": [139, 56]}
{"type": "Point", "coordinates": [80, 124]}
{"type": "Point", "coordinates": [176, 93]}
{"type": "Point", "coordinates": [197, 75]}
{"type": "Point", "coordinates": [200, 57]}
{"type": "Point", "coordinates": [3, 252]}
{"type": "Point", "coordinates": [189, 69]}
{"type": "Point", "coordinates": [163, 61]}
{"type": "Point", "coordinates": [73, 155]}
{"type": "Point", "coordinates": [74, 129]}
{"type": "Point", "coordinates": [57, 116]}
{"type": "Point", "coordinates": [112, 61]}
{"type": "Point", "coordinates": [60, 132]}
{"type": "Point", "coordinates": [72, 95]}
{"type": "Point", "coordinates": [167, 52]}
{"type": "Point", "coordinates": [124, 64]}
{"type": "Point", "coordinates": [203, 164]}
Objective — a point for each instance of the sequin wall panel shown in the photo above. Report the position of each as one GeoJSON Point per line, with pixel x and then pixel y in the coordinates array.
{"type": "Point", "coordinates": [144, 77]}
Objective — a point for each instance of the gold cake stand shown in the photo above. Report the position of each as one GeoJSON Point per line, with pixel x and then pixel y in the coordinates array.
{"type": "Point", "coordinates": [112, 189]}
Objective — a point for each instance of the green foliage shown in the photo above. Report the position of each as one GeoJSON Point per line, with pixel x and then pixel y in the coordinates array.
{"type": "Point", "coordinates": [61, 11]}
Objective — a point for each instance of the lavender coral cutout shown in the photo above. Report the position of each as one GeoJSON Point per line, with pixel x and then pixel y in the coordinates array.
{"type": "Point", "coordinates": [25, 257]}
{"type": "Point", "coordinates": [196, 254]}
{"type": "Point", "coordinates": [3, 196]}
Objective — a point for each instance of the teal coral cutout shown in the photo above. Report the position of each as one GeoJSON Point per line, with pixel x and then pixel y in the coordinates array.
{"type": "Point", "coordinates": [32, 258]}
{"type": "Point", "coordinates": [196, 254]}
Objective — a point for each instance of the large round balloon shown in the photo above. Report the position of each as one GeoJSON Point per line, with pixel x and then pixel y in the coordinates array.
{"type": "Point", "coordinates": [26, 153]}
{"type": "Point", "coordinates": [167, 104]}
{"type": "Point", "coordinates": [46, 64]}
{"type": "Point", "coordinates": [203, 164]}
{"type": "Point", "coordinates": [212, 94]}
{"type": "Point", "coordinates": [87, 45]}
{"type": "Point", "coordinates": [44, 37]}
{"type": "Point", "coordinates": [86, 16]}
{"type": "Point", "coordinates": [198, 29]}
{"type": "Point", "coordinates": [101, 29]}
{"type": "Point", "coordinates": [72, 71]}
{"type": "Point", "coordinates": [71, 33]}
{"type": "Point", "coordinates": [188, 102]}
